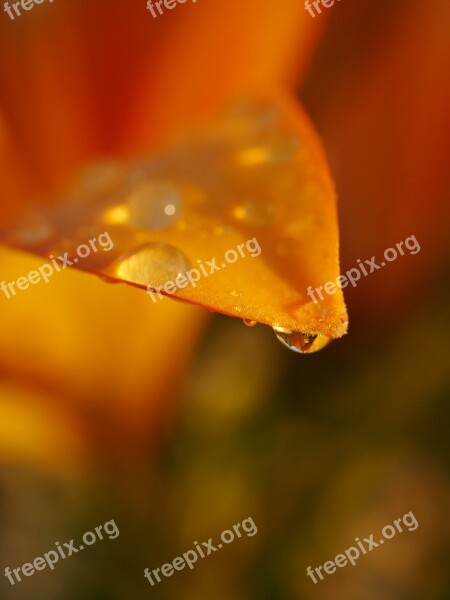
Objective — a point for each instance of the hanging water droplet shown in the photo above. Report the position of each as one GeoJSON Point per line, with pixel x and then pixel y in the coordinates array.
{"type": "Point", "coordinates": [154, 205]}
{"type": "Point", "coordinates": [249, 322]}
{"type": "Point", "coordinates": [151, 265]}
{"type": "Point", "coordinates": [303, 343]}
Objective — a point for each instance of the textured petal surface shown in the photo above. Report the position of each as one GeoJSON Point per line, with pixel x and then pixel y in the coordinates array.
{"type": "Point", "coordinates": [250, 191]}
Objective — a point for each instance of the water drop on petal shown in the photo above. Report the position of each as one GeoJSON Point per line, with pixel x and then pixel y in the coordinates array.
{"type": "Point", "coordinates": [254, 213]}
{"type": "Point", "coordinates": [303, 343]}
{"type": "Point", "coordinates": [32, 230]}
{"type": "Point", "coordinates": [102, 177]}
{"type": "Point", "coordinates": [151, 265]}
{"type": "Point", "coordinates": [154, 205]}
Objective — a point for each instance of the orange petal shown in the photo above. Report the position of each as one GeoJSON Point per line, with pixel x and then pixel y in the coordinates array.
{"type": "Point", "coordinates": [260, 173]}
{"type": "Point", "coordinates": [90, 343]}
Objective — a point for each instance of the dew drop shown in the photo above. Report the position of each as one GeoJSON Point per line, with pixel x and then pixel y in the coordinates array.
{"type": "Point", "coordinates": [249, 322]}
{"type": "Point", "coordinates": [117, 215]}
{"type": "Point", "coordinates": [33, 230]}
{"type": "Point", "coordinates": [102, 177]}
{"type": "Point", "coordinates": [151, 265]}
{"type": "Point", "coordinates": [154, 205]}
{"type": "Point", "coordinates": [254, 213]}
{"type": "Point", "coordinates": [287, 247]}
{"type": "Point", "coordinates": [303, 343]}
{"type": "Point", "coordinates": [253, 117]}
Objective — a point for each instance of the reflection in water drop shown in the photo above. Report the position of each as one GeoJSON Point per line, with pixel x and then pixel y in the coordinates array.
{"type": "Point", "coordinates": [303, 343]}
{"type": "Point", "coordinates": [249, 322]}
{"type": "Point", "coordinates": [154, 205]}
{"type": "Point", "coordinates": [151, 265]}
{"type": "Point", "coordinates": [170, 210]}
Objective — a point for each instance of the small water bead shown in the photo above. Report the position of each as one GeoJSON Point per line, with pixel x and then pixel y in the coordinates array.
{"type": "Point", "coordinates": [253, 117]}
{"type": "Point", "coordinates": [32, 234]}
{"type": "Point", "coordinates": [241, 124]}
{"type": "Point", "coordinates": [103, 177]}
{"type": "Point", "coordinates": [151, 265]}
{"type": "Point", "coordinates": [154, 205]}
{"type": "Point", "coordinates": [302, 343]}
{"type": "Point", "coordinates": [287, 247]}
{"type": "Point", "coordinates": [258, 155]}
{"type": "Point", "coordinates": [170, 210]}
{"type": "Point", "coordinates": [249, 323]}
{"type": "Point", "coordinates": [145, 169]}
{"type": "Point", "coordinates": [272, 152]}
{"type": "Point", "coordinates": [117, 215]}
{"type": "Point", "coordinates": [254, 213]}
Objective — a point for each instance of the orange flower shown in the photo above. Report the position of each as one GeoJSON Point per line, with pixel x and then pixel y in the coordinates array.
{"type": "Point", "coordinates": [79, 83]}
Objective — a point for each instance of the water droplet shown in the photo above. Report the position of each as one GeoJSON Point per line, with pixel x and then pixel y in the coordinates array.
{"type": "Point", "coordinates": [117, 215]}
{"type": "Point", "coordinates": [254, 213]}
{"type": "Point", "coordinates": [154, 205]}
{"type": "Point", "coordinates": [145, 169]}
{"type": "Point", "coordinates": [303, 343]}
{"type": "Point", "coordinates": [287, 247]}
{"type": "Point", "coordinates": [249, 322]}
{"type": "Point", "coordinates": [151, 265]}
{"type": "Point", "coordinates": [257, 155]}
{"type": "Point", "coordinates": [253, 117]}
{"type": "Point", "coordinates": [100, 178]}
{"type": "Point", "coordinates": [34, 229]}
